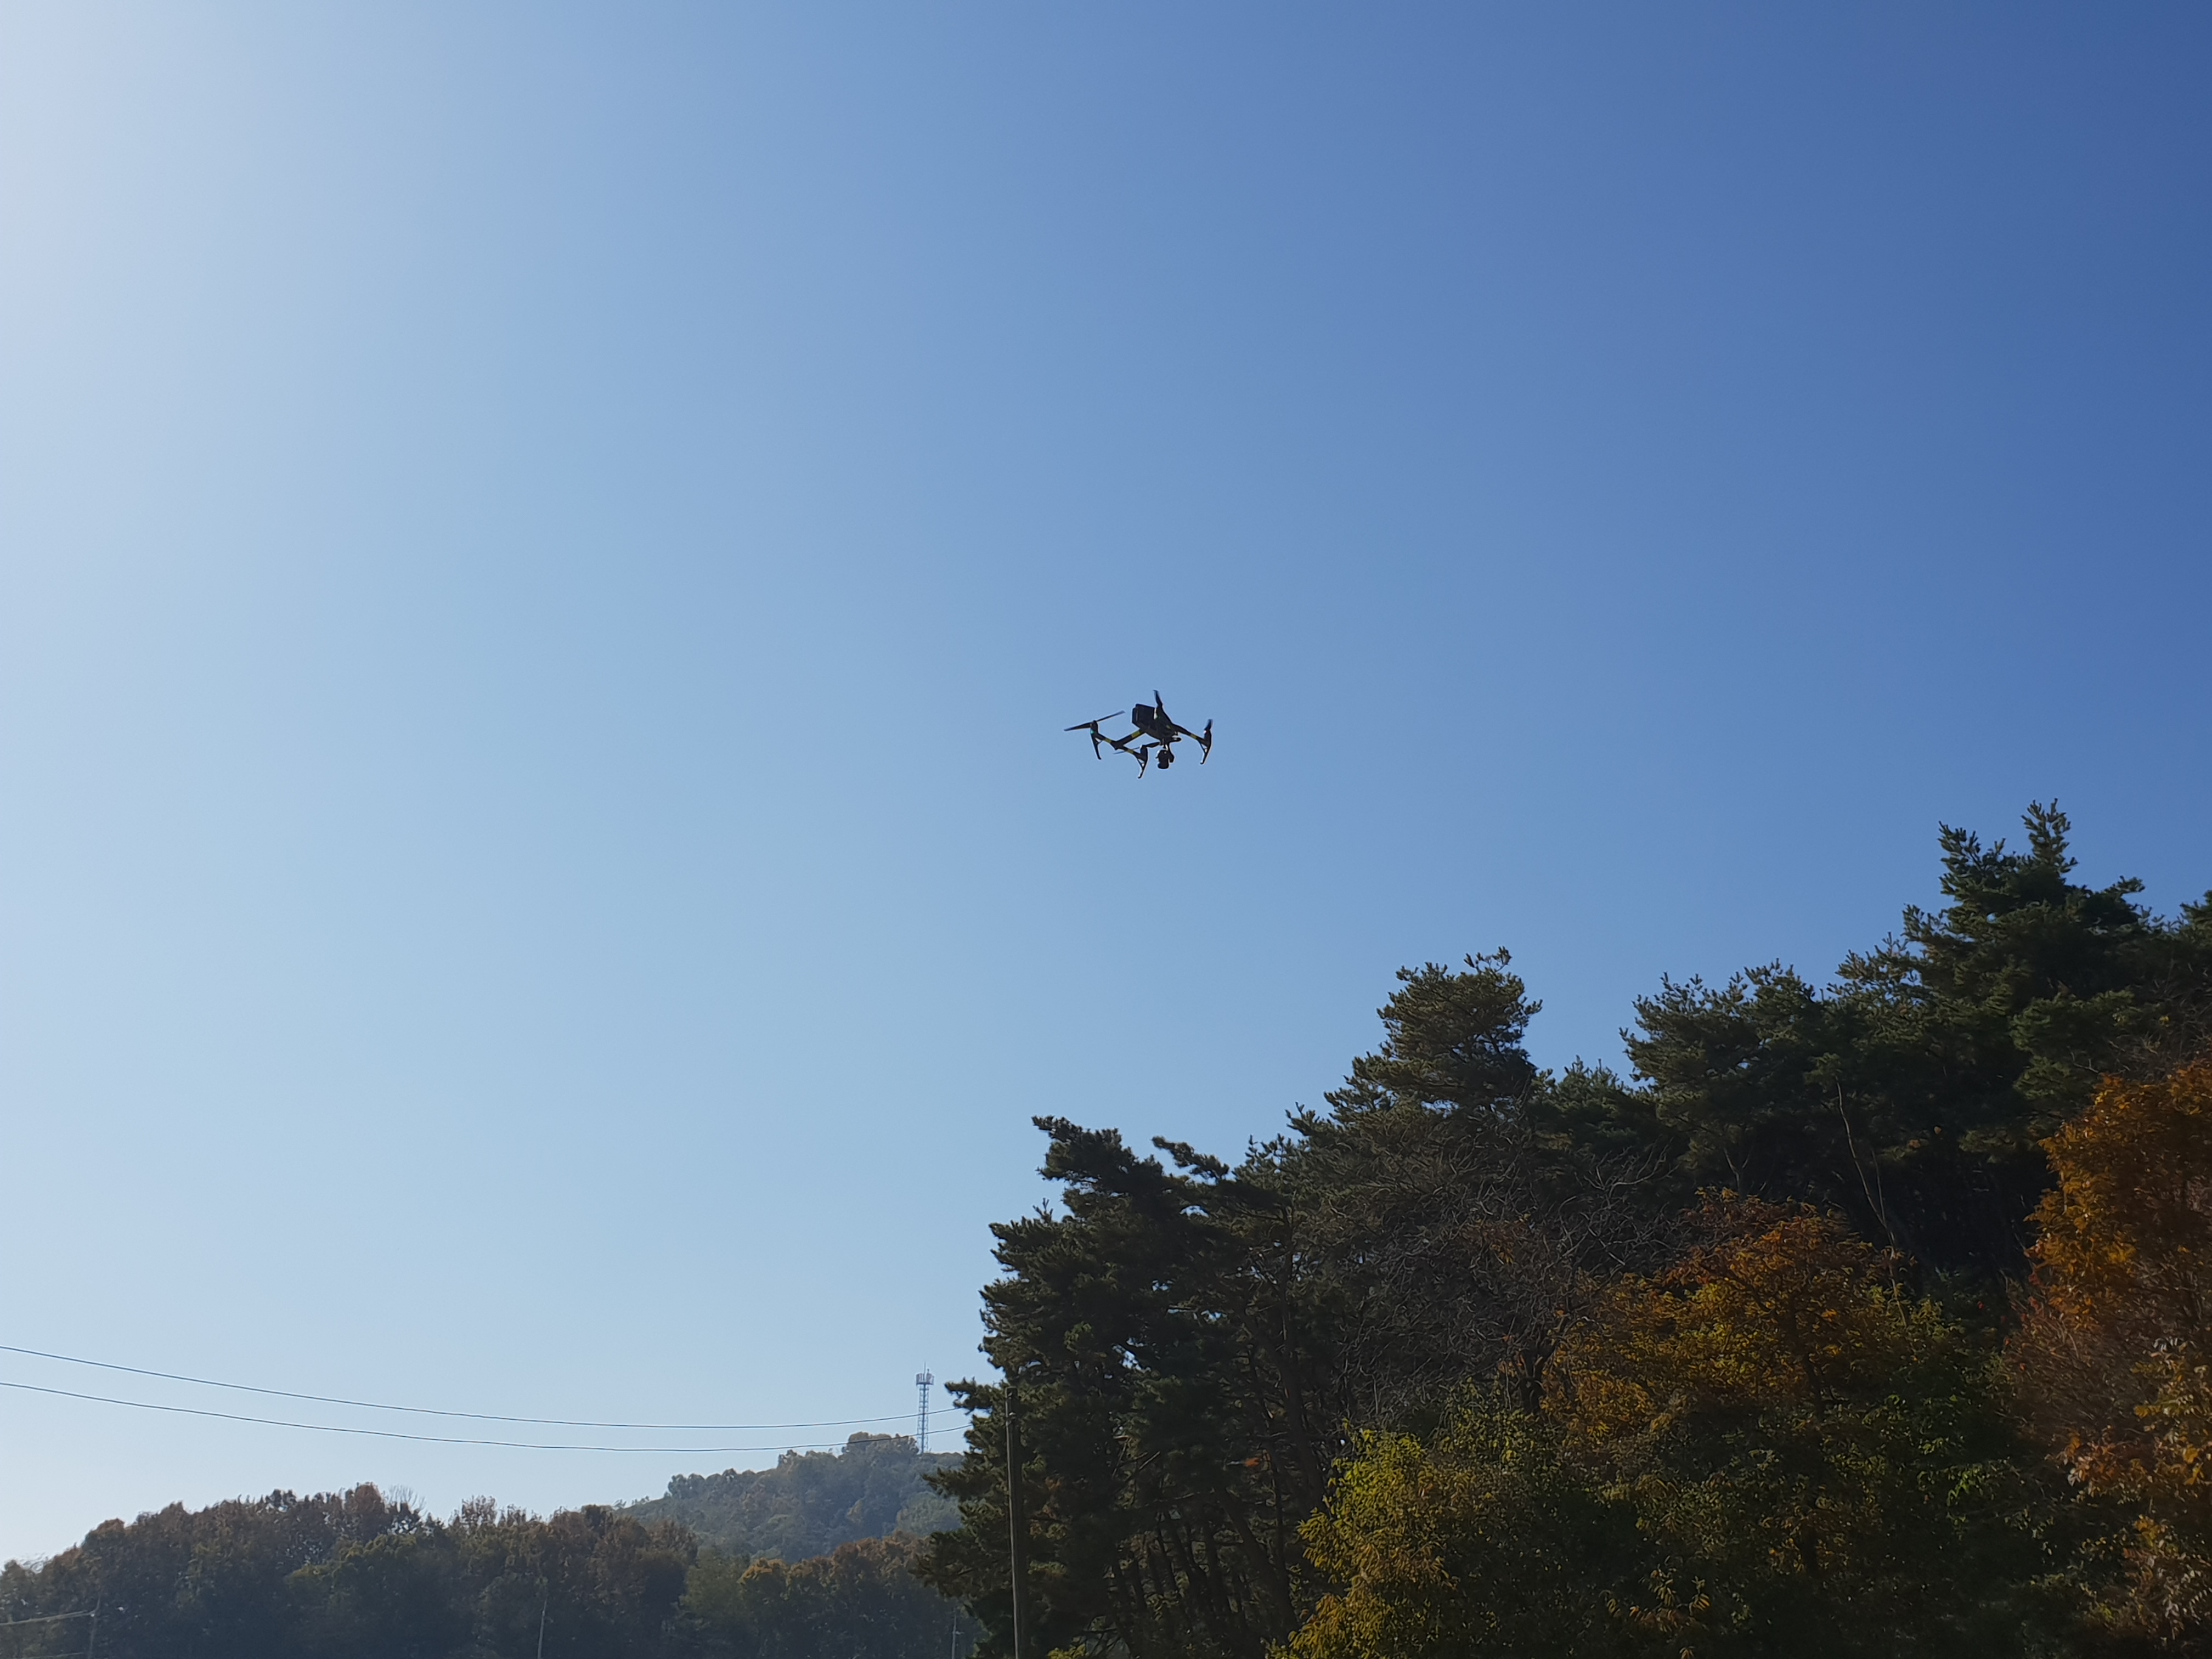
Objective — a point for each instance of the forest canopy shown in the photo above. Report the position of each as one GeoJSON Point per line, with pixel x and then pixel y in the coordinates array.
{"type": "Point", "coordinates": [1840, 1325]}
{"type": "Point", "coordinates": [358, 1575]}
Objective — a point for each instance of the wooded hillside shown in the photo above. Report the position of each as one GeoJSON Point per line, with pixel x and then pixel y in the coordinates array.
{"type": "Point", "coordinates": [812, 1502]}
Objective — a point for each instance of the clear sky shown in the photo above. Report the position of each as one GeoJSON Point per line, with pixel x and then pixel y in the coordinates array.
{"type": "Point", "coordinates": [544, 551]}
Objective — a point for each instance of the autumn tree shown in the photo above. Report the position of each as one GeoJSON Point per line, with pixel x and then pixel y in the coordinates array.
{"type": "Point", "coordinates": [2114, 1350]}
{"type": "Point", "coordinates": [1770, 1447]}
{"type": "Point", "coordinates": [1819, 1458]}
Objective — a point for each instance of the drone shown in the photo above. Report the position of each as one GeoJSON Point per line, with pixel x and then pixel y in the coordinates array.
{"type": "Point", "coordinates": [1155, 733]}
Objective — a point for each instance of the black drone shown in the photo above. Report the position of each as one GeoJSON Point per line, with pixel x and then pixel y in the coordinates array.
{"type": "Point", "coordinates": [1155, 732]}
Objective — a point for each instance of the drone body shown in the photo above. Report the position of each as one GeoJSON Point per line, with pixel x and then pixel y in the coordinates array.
{"type": "Point", "coordinates": [1154, 734]}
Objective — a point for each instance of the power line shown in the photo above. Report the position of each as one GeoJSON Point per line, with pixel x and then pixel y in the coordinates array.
{"type": "Point", "coordinates": [425, 1439]}
{"type": "Point", "coordinates": [428, 1411]}
{"type": "Point", "coordinates": [91, 1639]}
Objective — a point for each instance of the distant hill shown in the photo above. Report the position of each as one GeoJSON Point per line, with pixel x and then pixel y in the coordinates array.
{"type": "Point", "coordinates": [812, 1502]}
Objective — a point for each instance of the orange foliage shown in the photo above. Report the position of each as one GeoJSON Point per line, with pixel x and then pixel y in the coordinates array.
{"type": "Point", "coordinates": [2114, 1349]}
{"type": "Point", "coordinates": [1781, 1306]}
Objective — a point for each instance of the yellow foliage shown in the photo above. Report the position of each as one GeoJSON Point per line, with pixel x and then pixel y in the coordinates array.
{"type": "Point", "coordinates": [1480, 1542]}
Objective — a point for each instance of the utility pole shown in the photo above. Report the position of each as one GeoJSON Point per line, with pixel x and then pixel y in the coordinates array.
{"type": "Point", "coordinates": [923, 1380]}
{"type": "Point", "coordinates": [1018, 1526]}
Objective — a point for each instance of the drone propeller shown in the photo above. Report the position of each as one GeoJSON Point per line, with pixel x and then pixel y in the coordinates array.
{"type": "Point", "coordinates": [1096, 736]}
{"type": "Point", "coordinates": [1090, 725]}
{"type": "Point", "coordinates": [1205, 744]}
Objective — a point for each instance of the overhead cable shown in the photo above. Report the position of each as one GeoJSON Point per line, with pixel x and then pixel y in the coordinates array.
{"type": "Point", "coordinates": [427, 1439]}
{"type": "Point", "coordinates": [428, 1411]}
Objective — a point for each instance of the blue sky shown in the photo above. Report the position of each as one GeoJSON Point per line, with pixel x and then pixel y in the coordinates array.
{"type": "Point", "coordinates": [545, 552]}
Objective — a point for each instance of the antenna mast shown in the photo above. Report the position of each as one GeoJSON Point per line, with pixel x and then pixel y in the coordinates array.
{"type": "Point", "coordinates": [923, 1383]}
